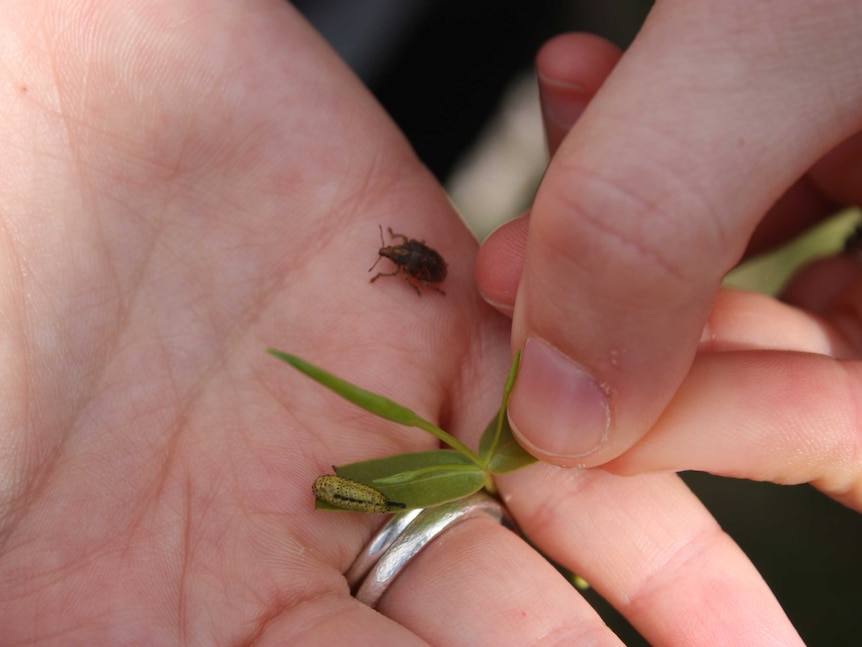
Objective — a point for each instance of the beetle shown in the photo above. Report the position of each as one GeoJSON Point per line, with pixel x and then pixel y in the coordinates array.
{"type": "Point", "coordinates": [352, 495]}
{"type": "Point", "coordinates": [412, 258]}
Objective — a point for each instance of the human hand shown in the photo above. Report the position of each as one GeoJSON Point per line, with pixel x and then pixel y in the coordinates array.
{"type": "Point", "coordinates": [704, 123]}
{"type": "Point", "coordinates": [184, 187]}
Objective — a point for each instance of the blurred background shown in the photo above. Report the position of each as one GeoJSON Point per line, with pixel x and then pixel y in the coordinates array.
{"type": "Point", "coordinates": [457, 77]}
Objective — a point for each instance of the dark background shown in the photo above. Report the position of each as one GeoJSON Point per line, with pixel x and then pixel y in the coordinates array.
{"type": "Point", "coordinates": [440, 68]}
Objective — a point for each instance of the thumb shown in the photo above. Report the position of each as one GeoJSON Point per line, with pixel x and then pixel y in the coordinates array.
{"type": "Point", "coordinates": [707, 119]}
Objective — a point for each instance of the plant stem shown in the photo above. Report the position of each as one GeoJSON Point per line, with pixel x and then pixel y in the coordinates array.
{"type": "Point", "coordinates": [450, 440]}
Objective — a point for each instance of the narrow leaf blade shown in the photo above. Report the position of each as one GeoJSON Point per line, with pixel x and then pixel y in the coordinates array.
{"type": "Point", "coordinates": [376, 404]}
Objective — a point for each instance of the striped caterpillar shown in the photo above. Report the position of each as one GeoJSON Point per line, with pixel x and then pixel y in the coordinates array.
{"type": "Point", "coordinates": [343, 493]}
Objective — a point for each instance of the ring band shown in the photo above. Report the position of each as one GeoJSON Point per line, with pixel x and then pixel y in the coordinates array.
{"type": "Point", "coordinates": [404, 537]}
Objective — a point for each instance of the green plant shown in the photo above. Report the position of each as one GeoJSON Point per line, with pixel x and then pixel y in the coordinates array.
{"type": "Point", "coordinates": [421, 479]}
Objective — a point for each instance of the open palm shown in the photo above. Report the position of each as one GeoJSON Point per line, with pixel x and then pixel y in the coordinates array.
{"type": "Point", "coordinates": [184, 187]}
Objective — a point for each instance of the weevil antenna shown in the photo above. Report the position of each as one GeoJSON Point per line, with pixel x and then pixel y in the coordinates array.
{"type": "Point", "coordinates": [382, 245]}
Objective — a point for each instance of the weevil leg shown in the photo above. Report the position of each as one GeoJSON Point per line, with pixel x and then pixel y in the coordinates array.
{"type": "Point", "coordinates": [379, 274]}
{"type": "Point", "coordinates": [392, 234]}
{"type": "Point", "coordinates": [433, 287]}
{"type": "Point", "coordinates": [412, 284]}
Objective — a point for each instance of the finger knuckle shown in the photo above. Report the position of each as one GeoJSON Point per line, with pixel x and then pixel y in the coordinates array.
{"type": "Point", "coordinates": [659, 233]}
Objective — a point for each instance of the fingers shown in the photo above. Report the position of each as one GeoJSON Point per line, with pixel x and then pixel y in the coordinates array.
{"type": "Point", "coordinates": [833, 288]}
{"type": "Point", "coordinates": [500, 262]}
{"type": "Point", "coordinates": [481, 584]}
{"type": "Point", "coordinates": [818, 285]}
{"type": "Point", "coordinates": [570, 68]}
{"type": "Point", "coordinates": [324, 623]}
{"type": "Point", "coordinates": [649, 201]}
{"type": "Point", "coordinates": [781, 407]}
{"type": "Point", "coordinates": [320, 611]}
{"type": "Point", "coordinates": [748, 321]}
{"type": "Point", "coordinates": [833, 182]}
{"type": "Point", "coordinates": [764, 415]}
{"type": "Point", "coordinates": [677, 564]}
{"type": "Point", "coordinates": [802, 206]}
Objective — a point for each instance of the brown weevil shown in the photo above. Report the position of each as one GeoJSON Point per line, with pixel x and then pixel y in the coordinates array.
{"type": "Point", "coordinates": [414, 259]}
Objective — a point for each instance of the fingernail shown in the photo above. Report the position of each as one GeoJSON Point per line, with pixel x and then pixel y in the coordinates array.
{"type": "Point", "coordinates": [505, 308]}
{"type": "Point", "coordinates": [562, 102]}
{"type": "Point", "coordinates": [557, 408]}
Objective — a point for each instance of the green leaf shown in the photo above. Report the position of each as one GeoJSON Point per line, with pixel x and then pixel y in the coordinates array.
{"type": "Point", "coordinates": [376, 404]}
{"type": "Point", "coordinates": [419, 479]}
{"type": "Point", "coordinates": [498, 448]}
{"type": "Point", "coordinates": [509, 455]}
{"type": "Point", "coordinates": [488, 438]}
{"type": "Point", "coordinates": [492, 435]}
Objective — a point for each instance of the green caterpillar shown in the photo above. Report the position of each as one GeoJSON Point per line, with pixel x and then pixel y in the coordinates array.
{"type": "Point", "coordinates": [351, 495]}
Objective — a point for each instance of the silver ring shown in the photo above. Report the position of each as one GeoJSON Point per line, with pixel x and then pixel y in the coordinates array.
{"type": "Point", "coordinates": [404, 537]}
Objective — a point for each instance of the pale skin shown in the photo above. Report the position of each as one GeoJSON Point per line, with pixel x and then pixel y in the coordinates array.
{"type": "Point", "coordinates": [773, 389]}
{"type": "Point", "coordinates": [725, 129]}
{"type": "Point", "coordinates": [184, 185]}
